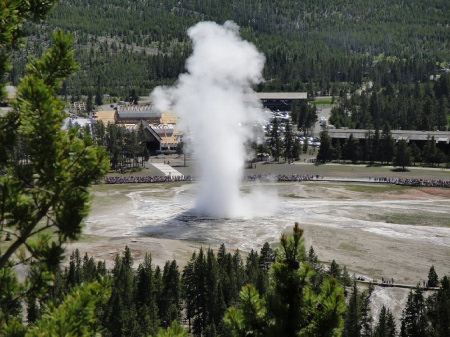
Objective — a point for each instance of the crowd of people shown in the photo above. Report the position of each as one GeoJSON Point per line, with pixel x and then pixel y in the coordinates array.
{"type": "Point", "coordinates": [413, 182]}
{"type": "Point", "coordinates": [145, 179]}
{"type": "Point", "coordinates": [165, 179]}
{"type": "Point", "coordinates": [279, 177]}
{"type": "Point", "coordinates": [274, 178]}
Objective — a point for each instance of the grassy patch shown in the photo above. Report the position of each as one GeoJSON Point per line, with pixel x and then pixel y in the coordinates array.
{"type": "Point", "coordinates": [374, 188]}
{"type": "Point", "coordinates": [292, 195]}
{"type": "Point", "coordinates": [371, 272]}
{"type": "Point", "coordinates": [422, 219]}
{"type": "Point", "coordinates": [324, 102]}
{"type": "Point", "coordinates": [349, 247]}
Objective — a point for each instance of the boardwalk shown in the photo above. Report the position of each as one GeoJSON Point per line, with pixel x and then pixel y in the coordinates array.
{"type": "Point", "coordinates": [395, 285]}
{"type": "Point", "coordinates": [167, 170]}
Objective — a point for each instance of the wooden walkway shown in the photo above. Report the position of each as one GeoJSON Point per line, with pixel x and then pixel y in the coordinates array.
{"type": "Point", "coordinates": [397, 285]}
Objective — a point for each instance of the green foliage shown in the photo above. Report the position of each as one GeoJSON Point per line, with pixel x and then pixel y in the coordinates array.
{"type": "Point", "coordinates": [288, 144]}
{"type": "Point", "coordinates": [438, 312]}
{"type": "Point", "coordinates": [386, 324]}
{"type": "Point", "coordinates": [386, 145]}
{"type": "Point", "coordinates": [294, 305]}
{"type": "Point", "coordinates": [10, 304]}
{"type": "Point", "coordinates": [45, 172]}
{"type": "Point", "coordinates": [275, 141]}
{"type": "Point", "coordinates": [126, 149]}
{"type": "Point", "coordinates": [433, 280]}
{"type": "Point", "coordinates": [62, 166]}
{"type": "Point", "coordinates": [250, 320]}
{"type": "Point", "coordinates": [403, 105]}
{"type": "Point", "coordinates": [13, 15]}
{"type": "Point", "coordinates": [413, 321]}
{"type": "Point", "coordinates": [326, 148]}
{"type": "Point", "coordinates": [306, 115]}
{"type": "Point", "coordinates": [174, 330]}
{"type": "Point", "coordinates": [358, 321]}
{"type": "Point", "coordinates": [76, 316]}
{"type": "Point", "coordinates": [402, 155]}
{"type": "Point", "coordinates": [307, 48]}
{"type": "Point", "coordinates": [351, 150]}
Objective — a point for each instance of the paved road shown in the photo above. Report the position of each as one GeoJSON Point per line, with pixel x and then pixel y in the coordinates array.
{"type": "Point", "coordinates": [321, 112]}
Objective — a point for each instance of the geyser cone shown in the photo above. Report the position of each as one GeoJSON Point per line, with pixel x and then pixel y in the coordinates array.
{"type": "Point", "coordinates": [215, 103]}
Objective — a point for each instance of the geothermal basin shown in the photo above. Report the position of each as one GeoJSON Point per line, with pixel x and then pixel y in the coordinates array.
{"type": "Point", "coordinates": [356, 227]}
{"type": "Point", "coordinates": [374, 230]}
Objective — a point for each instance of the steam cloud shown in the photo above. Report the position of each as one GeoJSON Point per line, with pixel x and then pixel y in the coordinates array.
{"type": "Point", "coordinates": [218, 108]}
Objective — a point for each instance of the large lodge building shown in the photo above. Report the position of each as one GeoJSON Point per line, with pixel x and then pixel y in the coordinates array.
{"type": "Point", "coordinates": [159, 127]}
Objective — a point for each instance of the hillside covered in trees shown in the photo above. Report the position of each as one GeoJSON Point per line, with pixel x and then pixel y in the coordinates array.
{"type": "Point", "coordinates": [314, 46]}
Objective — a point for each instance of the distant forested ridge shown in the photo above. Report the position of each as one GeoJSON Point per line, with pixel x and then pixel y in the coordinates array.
{"type": "Point", "coordinates": [316, 46]}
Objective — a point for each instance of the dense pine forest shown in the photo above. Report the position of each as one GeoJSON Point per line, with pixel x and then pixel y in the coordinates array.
{"type": "Point", "coordinates": [315, 46]}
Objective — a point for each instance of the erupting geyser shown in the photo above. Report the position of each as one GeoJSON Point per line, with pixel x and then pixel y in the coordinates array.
{"type": "Point", "coordinates": [218, 108]}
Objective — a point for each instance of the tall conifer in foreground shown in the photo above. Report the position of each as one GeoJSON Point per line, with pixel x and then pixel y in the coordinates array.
{"type": "Point", "coordinates": [45, 174]}
{"type": "Point", "coordinates": [292, 307]}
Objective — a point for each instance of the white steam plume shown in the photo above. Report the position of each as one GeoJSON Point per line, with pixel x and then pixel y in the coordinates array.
{"type": "Point", "coordinates": [217, 106]}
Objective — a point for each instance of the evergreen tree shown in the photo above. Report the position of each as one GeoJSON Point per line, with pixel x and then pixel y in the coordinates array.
{"type": "Point", "coordinates": [430, 151]}
{"type": "Point", "coordinates": [416, 154]}
{"type": "Point", "coordinates": [89, 269]}
{"type": "Point", "coordinates": [433, 280]}
{"type": "Point", "coordinates": [375, 147]}
{"type": "Point", "coordinates": [335, 270]}
{"type": "Point", "coordinates": [402, 155]}
{"type": "Point", "coordinates": [326, 148]}
{"type": "Point", "coordinates": [275, 142]}
{"type": "Point", "coordinates": [251, 319]}
{"type": "Point", "coordinates": [89, 103]}
{"type": "Point", "coordinates": [189, 290]}
{"type": "Point", "coordinates": [74, 274]}
{"type": "Point", "coordinates": [98, 92]}
{"type": "Point", "coordinates": [174, 330]}
{"type": "Point", "coordinates": [438, 310]}
{"type": "Point", "coordinates": [442, 113]}
{"type": "Point", "coordinates": [44, 198]}
{"type": "Point", "coordinates": [352, 322]}
{"type": "Point", "coordinates": [170, 304]}
{"type": "Point", "coordinates": [120, 314]}
{"type": "Point", "coordinates": [296, 150]}
{"type": "Point", "coordinates": [387, 145]}
{"type": "Point", "coordinates": [337, 150]}
{"type": "Point", "coordinates": [266, 257]}
{"type": "Point", "coordinates": [238, 270]}
{"type": "Point", "coordinates": [75, 316]}
{"type": "Point", "coordinates": [386, 324]}
{"type": "Point", "coordinates": [145, 298]}
{"type": "Point", "coordinates": [366, 318]}
{"type": "Point", "coordinates": [351, 149]}
{"type": "Point", "coordinates": [413, 321]}
{"type": "Point", "coordinates": [252, 269]}
{"type": "Point", "coordinates": [292, 307]}
{"type": "Point", "coordinates": [313, 260]}
{"type": "Point", "coordinates": [345, 278]}
{"type": "Point", "coordinates": [288, 144]}
{"type": "Point", "coordinates": [213, 308]}
{"type": "Point", "coordinates": [200, 318]}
